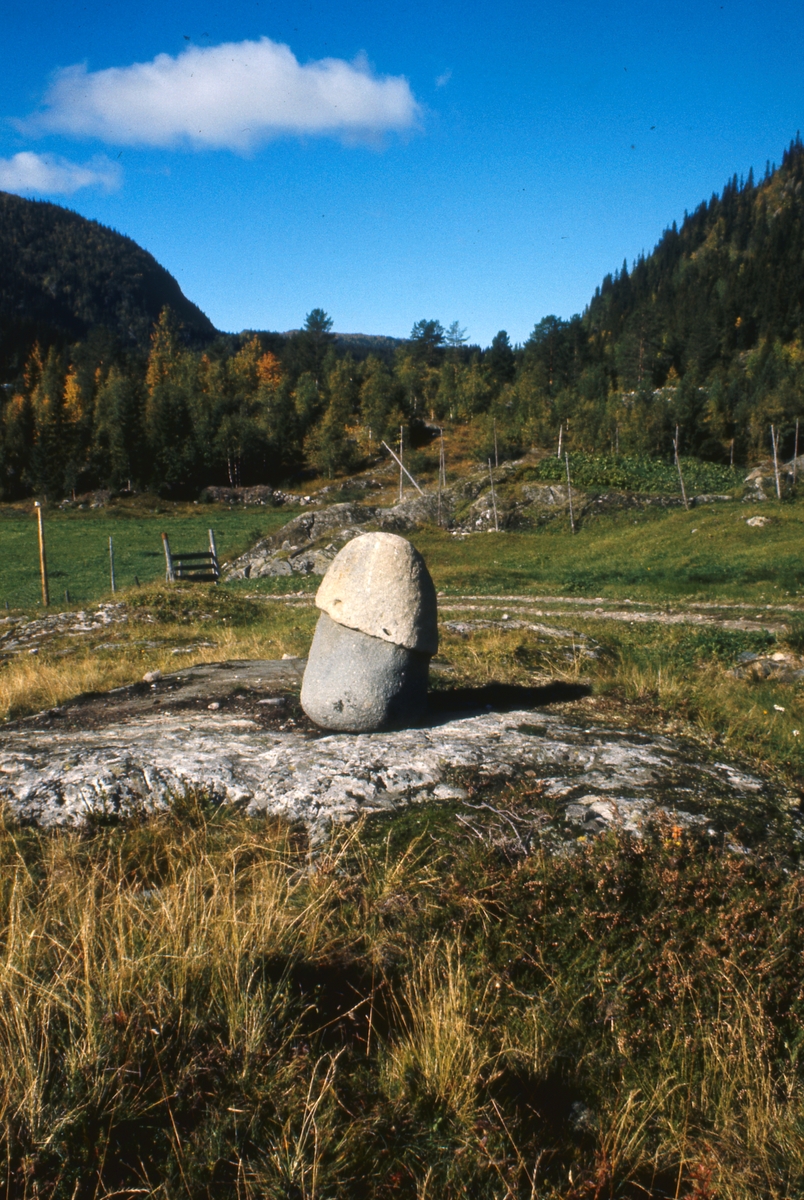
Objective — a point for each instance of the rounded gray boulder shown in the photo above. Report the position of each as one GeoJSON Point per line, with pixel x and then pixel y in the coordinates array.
{"type": "Point", "coordinates": [357, 683]}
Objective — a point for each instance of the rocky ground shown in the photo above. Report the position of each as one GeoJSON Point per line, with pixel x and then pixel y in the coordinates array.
{"type": "Point", "coordinates": [63, 632]}
{"type": "Point", "coordinates": [530, 612]}
{"type": "Point", "coordinates": [20, 635]}
{"type": "Point", "coordinates": [309, 542]}
{"type": "Point", "coordinates": [236, 731]}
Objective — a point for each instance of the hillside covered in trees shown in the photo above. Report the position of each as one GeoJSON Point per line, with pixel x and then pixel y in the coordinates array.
{"type": "Point", "coordinates": [704, 333]}
{"type": "Point", "coordinates": [62, 276]}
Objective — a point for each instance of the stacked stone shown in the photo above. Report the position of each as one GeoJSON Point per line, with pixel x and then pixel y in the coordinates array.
{"type": "Point", "coordinates": [369, 662]}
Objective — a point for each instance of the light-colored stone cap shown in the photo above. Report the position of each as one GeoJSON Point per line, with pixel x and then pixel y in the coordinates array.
{"type": "Point", "coordinates": [379, 584]}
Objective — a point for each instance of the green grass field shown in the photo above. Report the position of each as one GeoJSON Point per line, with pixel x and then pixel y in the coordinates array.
{"type": "Point", "coordinates": [705, 554]}
{"type": "Point", "coordinates": [77, 545]}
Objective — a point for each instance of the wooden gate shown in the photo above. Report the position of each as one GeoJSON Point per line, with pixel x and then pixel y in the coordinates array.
{"type": "Point", "coordinates": [196, 567]}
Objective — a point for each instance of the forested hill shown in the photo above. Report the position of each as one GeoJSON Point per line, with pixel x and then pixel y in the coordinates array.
{"type": "Point", "coordinates": [62, 276]}
{"type": "Point", "coordinates": [730, 278]}
{"type": "Point", "coordinates": [704, 335]}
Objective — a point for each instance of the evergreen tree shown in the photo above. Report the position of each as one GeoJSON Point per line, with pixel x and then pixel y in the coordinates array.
{"type": "Point", "coordinates": [47, 399]}
{"type": "Point", "coordinates": [169, 428]}
{"type": "Point", "coordinates": [426, 339]}
{"type": "Point", "coordinates": [117, 451]}
{"type": "Point", "coordinates": [379, 407]}
{"type": "Point", "coordinates": [329, 447]}
{"type": "Point", "coordinates": [18, 445]}
{"type": "Point", "coordinates": [500, 360]}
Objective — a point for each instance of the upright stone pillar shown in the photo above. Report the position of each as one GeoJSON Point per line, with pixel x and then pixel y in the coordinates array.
{"type": "Point", "coordinates": [369, 662]}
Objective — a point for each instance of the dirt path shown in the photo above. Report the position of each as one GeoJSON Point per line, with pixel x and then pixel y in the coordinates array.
{"type": "Point", "coordinates": [22, 635]}
{"type": "Point", "coordinates": [632, 612]}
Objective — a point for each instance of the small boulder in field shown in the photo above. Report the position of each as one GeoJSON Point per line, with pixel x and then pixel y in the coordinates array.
{"type": "Point", "coordinates": [369, 662]}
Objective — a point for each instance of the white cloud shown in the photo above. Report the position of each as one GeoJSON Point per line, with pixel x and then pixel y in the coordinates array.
{"type": "Point", "coordinates": [443, 80]}
{"type": "Point", "coordinates": [53, 176]}
{"type": "Point", "coordinates": [232, 96]}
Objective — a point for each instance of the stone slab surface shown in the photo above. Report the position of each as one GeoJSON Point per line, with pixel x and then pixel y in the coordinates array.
{"type": "Point", "coordinates": [379, 584]}
{"type": "Point", "coordinates": [55, 769]}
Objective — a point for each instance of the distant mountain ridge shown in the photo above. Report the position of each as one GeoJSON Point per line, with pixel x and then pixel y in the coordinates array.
{"type": "Point", "coordinates": [361, 345]}
{"type": "Point", "coordinates": [62, 275]}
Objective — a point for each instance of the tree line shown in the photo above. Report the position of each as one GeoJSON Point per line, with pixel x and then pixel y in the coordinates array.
{"type": "Point", "coordinates": [706, 333]}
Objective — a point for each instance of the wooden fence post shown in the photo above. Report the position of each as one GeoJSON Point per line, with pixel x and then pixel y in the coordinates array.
{"type": "Point", "coordinates": [493, 500]}
{"type": "Point", "coordinates": [569, 492]}
{"type": "Point", "coordinates": [42, 558]}
{"type": "Point", "coordinates": [170, 574]}
{"type": "Point", "coordinates": [775, 444]}
{"type": "Point", "coordinates": [439, 487]}
{"type": "Point", "coordinates": [795, 456]}
{"type": "Point", "coordinates": [213, 549]}
{"type": "Point", "coordinates": [680, 476]}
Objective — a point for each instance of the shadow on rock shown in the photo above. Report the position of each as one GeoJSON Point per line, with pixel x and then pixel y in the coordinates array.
{"type": "Point", "coordinates": [501, 697]}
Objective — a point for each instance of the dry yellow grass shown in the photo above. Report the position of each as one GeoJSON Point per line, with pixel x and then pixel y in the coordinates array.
{"type": "Point", "coordinates": [30, 683]}
{"type": "Point", "coordinates": [174, 981]}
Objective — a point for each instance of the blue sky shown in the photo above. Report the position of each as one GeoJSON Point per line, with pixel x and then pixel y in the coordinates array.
{"type": "Point", "coordinates": [487, 162]}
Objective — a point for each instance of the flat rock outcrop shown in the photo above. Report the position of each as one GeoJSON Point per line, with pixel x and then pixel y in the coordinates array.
{"type": "Point", "coordinates": [133, 748]}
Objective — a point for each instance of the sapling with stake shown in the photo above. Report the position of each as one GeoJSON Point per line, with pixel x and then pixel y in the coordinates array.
{"type": "Point", "coordinates": [795, 456]}
{"type": "Point", "coordinates": [402, 468]}
{"type": "Point", "coordinates": [493, 500]}
{"type": "Point", "coordinates": [440, 473]}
